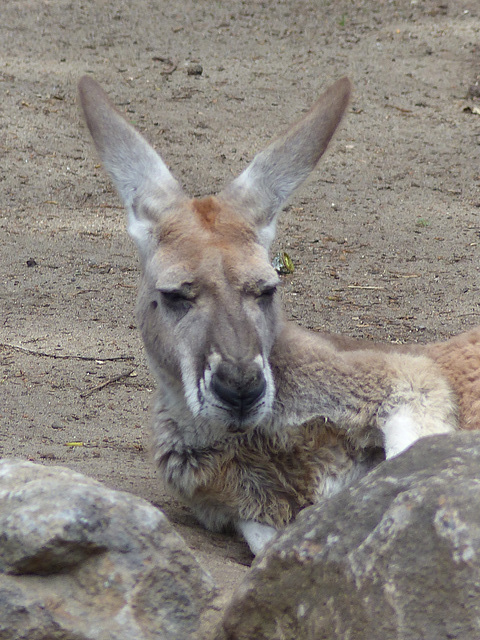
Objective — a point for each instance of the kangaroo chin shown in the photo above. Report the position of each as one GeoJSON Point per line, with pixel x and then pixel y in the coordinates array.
{"type": "Point", "coordinates": [254, 418]}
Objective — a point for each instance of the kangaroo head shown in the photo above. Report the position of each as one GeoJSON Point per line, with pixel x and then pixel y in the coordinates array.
{"type": "Point", "coordinates": [208, 312]}
{"type": "Point", "coordinates": [207, 307]}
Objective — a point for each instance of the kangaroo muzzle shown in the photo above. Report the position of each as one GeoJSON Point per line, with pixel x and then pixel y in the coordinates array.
{"type": "Point", "coordinates": [239, 388]}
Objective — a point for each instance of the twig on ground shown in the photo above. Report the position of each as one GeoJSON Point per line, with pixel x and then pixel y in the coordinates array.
{"type": "Point", "coordinates": [170, 68]}
{"type": "Point", "coordinates": [100, 386]}
{"type": "Point", "coordinates": [366, 286]}
{"type": "Point", "coordinates": [58, 356]}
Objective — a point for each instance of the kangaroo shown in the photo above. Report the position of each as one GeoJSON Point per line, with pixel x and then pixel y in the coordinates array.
{"type": "Point", "coordinates": [255, 418]}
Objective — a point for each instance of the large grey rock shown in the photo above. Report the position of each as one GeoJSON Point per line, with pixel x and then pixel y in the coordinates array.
{"type": "Point", "coordinates": [79, 561]}
{"type": "Point", "coordinates": [397, 557]}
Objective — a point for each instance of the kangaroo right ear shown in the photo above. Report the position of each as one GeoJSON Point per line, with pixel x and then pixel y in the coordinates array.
{"type": "Point", "coordinates": [266, 184]}
{"type": "Point", "coordinates": [145, 185]}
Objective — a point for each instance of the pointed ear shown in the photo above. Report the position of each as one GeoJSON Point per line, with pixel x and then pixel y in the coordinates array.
{"type": "Point", "coordinates": [145, 185]}
{"type": "Point", "coordinates": [274, 174]}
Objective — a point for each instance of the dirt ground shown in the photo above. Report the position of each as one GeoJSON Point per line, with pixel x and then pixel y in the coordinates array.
{"type": "Point", "coordinates": [385, 238]}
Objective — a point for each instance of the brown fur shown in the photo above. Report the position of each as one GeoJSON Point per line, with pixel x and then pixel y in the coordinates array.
{"type": "Point", "coordinates": [266, 478]}
{"type": "Point", "coordinates": [293, 479]}
{"type": "Point", "coordinates": [459, 360]}
{"type": "Point", "coordinates": [207, 209]}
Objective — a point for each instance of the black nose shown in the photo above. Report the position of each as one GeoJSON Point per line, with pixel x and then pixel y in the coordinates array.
{"type": "Point", "coordinates": [237, 389]}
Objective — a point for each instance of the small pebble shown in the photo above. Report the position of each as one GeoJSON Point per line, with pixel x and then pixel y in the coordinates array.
{"type": "Point", "coordinates": [194, 69]}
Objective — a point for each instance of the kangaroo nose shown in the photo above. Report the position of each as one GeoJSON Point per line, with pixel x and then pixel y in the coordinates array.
{"type": "Point", "coordinates": [236, 389]}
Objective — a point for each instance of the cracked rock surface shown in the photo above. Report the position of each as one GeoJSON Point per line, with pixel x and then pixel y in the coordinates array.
{"type": "Point", "coordinates": [79, 561]}
{"type": "Point", "coordinates": [397, 556]}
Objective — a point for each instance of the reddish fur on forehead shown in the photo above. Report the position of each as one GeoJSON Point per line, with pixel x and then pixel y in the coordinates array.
{"type": "Point", "coordinates": [207, 210]}
{"type": "Point", "coordinates": [205, 221]}
{"type": "Point", "coordinates": [223, 225]}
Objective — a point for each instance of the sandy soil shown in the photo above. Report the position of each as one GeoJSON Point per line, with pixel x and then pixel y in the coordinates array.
{"type": "Point", "coordinates": [385, 238]}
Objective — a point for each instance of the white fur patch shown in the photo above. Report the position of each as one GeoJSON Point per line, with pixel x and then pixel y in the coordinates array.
{"type": "Point", "coordinates": [213, 361]}
{"type": "Point", "coordinates": [250, 184]}
{"type": "Point", "coordinates": [139, 230]}
{"type": "Point", "coordinates": [257, 535]}
{"type": "Point", "coordinates": [400, 431]}
{"type": "Point", "coordinates": [266, 234]}
{"type": "Point", "coordinates": [190, 383]}
{"type": "Point", "coordinates": [269, 396]}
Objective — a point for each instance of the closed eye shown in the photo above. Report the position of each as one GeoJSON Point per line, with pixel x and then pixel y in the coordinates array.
{"type": "Point", "coordinates": [266, 295]}
{"type": "Point", "coordinates": [177, 300]}
{"type": "Point", "coordinates": [268, 292]}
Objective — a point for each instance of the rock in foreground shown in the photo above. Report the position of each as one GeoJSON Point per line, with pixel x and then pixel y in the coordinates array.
{"type": "Point", "coordinates": [397, 557]}
{"type": "Point", "coordinates": [79, 561]}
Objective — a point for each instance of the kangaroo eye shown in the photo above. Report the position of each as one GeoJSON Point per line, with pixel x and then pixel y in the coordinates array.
{"type": "Point", "coordinates": [177, 300]}
{"type": "Point", "coordinates": [267, 294]}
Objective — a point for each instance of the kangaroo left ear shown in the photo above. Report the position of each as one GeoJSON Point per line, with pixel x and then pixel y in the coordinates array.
{"type": "Point", "coordinates": [266, 184]}
{"type": "Point", "coordinates": [142, 179]}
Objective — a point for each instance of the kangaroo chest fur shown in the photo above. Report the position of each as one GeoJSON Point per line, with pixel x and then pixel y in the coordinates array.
{"type": "Point", "coordinates": [256, 476]}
